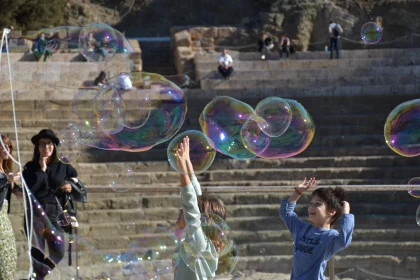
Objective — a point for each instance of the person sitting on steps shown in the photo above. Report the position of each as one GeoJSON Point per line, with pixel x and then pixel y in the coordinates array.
{"type": "Point", "coordinates": [225, 64]}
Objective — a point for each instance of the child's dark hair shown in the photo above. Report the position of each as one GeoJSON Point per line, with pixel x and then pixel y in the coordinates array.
{"type": "Point", "coordinates": [333, 199]}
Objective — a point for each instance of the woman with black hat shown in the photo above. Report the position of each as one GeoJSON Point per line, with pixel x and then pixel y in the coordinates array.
{"type": "Point", "coordinates": [45, 176]}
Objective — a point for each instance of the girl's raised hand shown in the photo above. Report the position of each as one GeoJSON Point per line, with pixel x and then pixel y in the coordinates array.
{"type": "Point", "coordinates": [306, 185]}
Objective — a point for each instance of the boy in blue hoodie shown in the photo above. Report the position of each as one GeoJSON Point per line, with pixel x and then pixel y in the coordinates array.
{"type": "Point", "coordinates": [316, 242]}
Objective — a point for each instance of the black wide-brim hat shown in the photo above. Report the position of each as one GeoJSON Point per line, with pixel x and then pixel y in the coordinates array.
{"type": "Point", "coordinates": [45, 133]}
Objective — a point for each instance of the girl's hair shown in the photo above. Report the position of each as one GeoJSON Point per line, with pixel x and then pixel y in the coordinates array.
{"type": "Point", "coordinates": [213, 205]}
{"type": "Point", "coordinates": [333, 198]}
{"type": "Point", "coordinates": [36, 154]}
{"type": "Point", "coordinates": [7, 164]}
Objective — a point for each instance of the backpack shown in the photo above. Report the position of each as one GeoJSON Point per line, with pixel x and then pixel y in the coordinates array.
{"type": "Point", "coordinates": [336, 31]}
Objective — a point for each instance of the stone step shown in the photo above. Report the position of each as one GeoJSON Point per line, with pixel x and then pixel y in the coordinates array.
{"type": "Point", "coordinates": [229, 164]}
{"type": "Point", "coordinates": [275, 70]}
{"type": "Point", "coordinates": [318, 55]}
{"type": "Point", "coordinates": [243, 80]}
{"type": "Point", "coordinates": [335, 87]}
{"type": "Point", "coordinates": [324, 65]}
{"type": "Point", "coordinates": [268, 268]}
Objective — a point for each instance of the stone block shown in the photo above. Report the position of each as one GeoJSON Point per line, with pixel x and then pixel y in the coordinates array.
{"type": "Point", "coordinates": [182, 39]}
{"type": "Point", "coordinates": [203, 32]}
{"type": "Point", "coordinates": [226, 32]}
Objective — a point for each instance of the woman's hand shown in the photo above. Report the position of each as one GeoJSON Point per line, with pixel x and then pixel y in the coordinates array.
{"type": "Point", "coordinates": [43, 163]}
{"type": "Point", "coordinates": [183, 155]}
{"type": "Point", "coordinates": [306, 185]}
{"type": "Point", "coordinates": [13, 178]}
{"type": "Point", "coordinates": [66, 188]}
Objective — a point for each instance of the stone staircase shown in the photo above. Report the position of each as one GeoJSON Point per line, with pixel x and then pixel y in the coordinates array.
{"type": "Point", "coordinates": [348, 149]}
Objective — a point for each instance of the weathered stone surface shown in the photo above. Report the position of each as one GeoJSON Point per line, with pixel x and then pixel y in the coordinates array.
{"type": "Point", "coordinates": [182, 39]}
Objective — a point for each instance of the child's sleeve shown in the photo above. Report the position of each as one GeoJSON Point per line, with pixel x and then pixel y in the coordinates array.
{"type": "Point", "coordinates": [344, 237]}
{"type": "Point", "coordinates": [192, 215]}
{"type": "Point", "coordinates": [196, 185]}
{"type": "Point", "coordinates": [289, 217]}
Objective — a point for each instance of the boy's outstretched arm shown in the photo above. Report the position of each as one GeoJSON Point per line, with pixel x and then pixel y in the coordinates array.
{"type": "Point", "coordinates": [287, 213]}
{"type": "Point", "coordinates": [344, 238]}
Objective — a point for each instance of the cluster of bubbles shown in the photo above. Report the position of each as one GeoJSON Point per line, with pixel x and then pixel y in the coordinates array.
{"type": "Point", "coordinates": [207, 242]}
{"type": "Point", "coordinates": [371, 33]}
{"type": "Point", "coordinates": [277, 128]}
{"type": "Point", "coordinates": [414, 190]}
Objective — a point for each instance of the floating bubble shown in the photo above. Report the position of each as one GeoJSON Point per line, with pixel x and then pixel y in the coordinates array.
{"type": "Point", "coordinates": [97, 42]}
{"type": "Point", "coordinates": [64, 219]}
{"type": "Point", "coordinates": [204, 240]}
{"type": "Point", "coordinates": [252, 135]}
{"type": "Point", "coordinates": [123, 178]}
{"type": "Point", "coordinates": [414, 187]}
{"type": "Point", "coordinates": [402, 129]}
{"type": "Point", "coordinates": [82, 114]}
{"type": "Point", "coordinates": [131, 226]}
{"type": "Point", "coordinates": [201, 152]}
{"type": "Point", "coordinates": [167, 114]}
{"type": "Point", "coordinates": [371, 33]}
{"type": "Point", "coordinates": [297, 137]}
{"type": "Point", "coordinates": [69, 148]}
{"type": "Point", "coordinates": [418, 215]}
{"type": "Point", "coordinates": [222, 120]}
{"type": "Point", "coordinates": [151, 253]}
{"type": "Point", "coordinates": [136, 102]}
{"type": "Point", "coordinates": [228, 261]}
{"type": "Point", "coordinates": [108, 107]}
{"type": "Point", "coordinates": [277, 114]}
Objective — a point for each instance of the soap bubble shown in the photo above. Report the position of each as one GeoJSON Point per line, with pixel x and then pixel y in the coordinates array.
{"type": "Point", "coordinates": [63, 219]}
{"type": "Point", "coordinates": [222, 120]}
{"type": "Point", "coordinates": [277, 113]}
{"type": "Point", "coordinates": [204, 240]}
{"type": "Point", "coordinates": [252, 135]}
{"type": "Point", "coordinates": [418, 215]}
{"type": "Point", "coordinates": [402, 129]}
{"type": "Point", "coordinates": [82, 114]}
{"type": "Point", "coordinates": [122, 178]}
{"type": "Point", "coordinates": [167, 114]}
{"type": "Point", "coordinates": [97, 42]}
{"type": "Point", "coordinates": [371, 33]}
{"type": "Point", "coordinates": [228, 261]}
{"type": "Point", "coordinates": [136, 108]}
{"type": "Point", "coordinates": [202, 153]}
{"type": "Point", "coordinates": [108, 106]}
{"type": "Point", "coordinates": [151, 253]}
{"type": "Point", "coordinates": [414, 187]}
{"type": "Point", "coordinates": [297, 137]}
{"type": "Point", "coordinates": [69, 147]}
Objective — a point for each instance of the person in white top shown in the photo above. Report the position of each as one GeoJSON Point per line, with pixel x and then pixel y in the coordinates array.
{"type": "Point", "coordinates": [225, 64]}
{"type": "Point", "coordinates": [334, 30]}
{"type": "Point", "coordinates": [284, 45]}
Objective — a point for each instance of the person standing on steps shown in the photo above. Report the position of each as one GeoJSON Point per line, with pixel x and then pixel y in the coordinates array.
{"type": "Point", "coordinates": [45, 176]}
{"type": "Point", "coordinates": [335, 30]}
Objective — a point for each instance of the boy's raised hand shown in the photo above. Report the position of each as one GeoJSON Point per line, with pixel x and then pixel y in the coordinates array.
{"type": "Point", "coordinates": [306, 185]}
{"type": "Point", "coordinates": [346, 207]}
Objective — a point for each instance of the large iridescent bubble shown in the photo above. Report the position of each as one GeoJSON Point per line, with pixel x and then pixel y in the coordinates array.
{"type": "Point", "coordinates": [297, 137]}
{"type": "Point", "coordinates": [402, 129]}
{"type": "Point", "coordinates": [108, 107]}
{"type": "Point", "coordinates": [371, 33]}
{"type": "Point", "coordinates": [222, 120]}
{"type": "Point", "coordinates": [97, 42]}
{"type": "Point", "coordinates": [277, 113]}
{"type": "Point", "coordinates": [165, 116]}
{"type": "Point", "coordinates": [202, 153]}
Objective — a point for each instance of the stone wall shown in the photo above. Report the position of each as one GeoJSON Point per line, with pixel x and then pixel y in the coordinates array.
{"type": "Point", "coordinates": [187, 41]}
